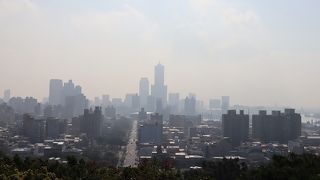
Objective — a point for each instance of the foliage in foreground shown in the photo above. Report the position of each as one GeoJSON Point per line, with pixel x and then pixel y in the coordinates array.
{"type": "Point", "coordinates": [306, 166]}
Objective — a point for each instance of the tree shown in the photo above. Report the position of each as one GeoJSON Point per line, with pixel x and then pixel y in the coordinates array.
{"type": "Point", "coordinates": [17, 161]}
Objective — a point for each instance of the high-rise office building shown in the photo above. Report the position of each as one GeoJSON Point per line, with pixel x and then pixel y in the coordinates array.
{"type": "Point", "coordinates": [55, 92]}
{"type": "Point", "coordinates": [225, 104]}
{"type": "Point", "coordinates": [6, 95]}
{"type": "Point", "coordinates": [277, 127]}
{"type": "Point", "coordinates": [158, 89]}
{"type": "Point", "coordinates": [143, 92]}
{"type": "Point", "coordinates": [235, 126]}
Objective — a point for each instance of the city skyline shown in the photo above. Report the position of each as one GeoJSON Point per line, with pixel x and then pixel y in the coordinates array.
{"type": "Point", "coordinates": [161, 81]}
{"type": "Point", "coordinates": [170, 89]}
{"type": "Point", "coordinates": [268, 50]}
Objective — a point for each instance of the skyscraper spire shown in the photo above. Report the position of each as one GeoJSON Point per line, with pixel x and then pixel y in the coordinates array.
{"type": "Point", "coordinates": [158, 89]}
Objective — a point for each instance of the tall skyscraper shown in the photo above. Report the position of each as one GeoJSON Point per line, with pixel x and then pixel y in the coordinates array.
{"type": "Point", "coordinates": [55, 92]}
{"type": "Point", "coordinates": [6, 95]}
{"type": "Point", "coordinates": [143, 92]}
{"type": "Point", "coordinates": [158, 89]}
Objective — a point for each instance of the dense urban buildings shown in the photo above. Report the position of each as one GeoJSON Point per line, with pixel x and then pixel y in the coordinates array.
{"type": "Point", "coordinates": [173, 89]}
{"type": "Point", "coordinates": [179, 132]}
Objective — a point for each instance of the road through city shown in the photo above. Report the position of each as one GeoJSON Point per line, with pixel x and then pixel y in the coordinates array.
{"type": "Point", "coordinates": [131, 152]}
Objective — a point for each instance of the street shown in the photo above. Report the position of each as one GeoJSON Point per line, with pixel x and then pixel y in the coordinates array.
{"type": "Point", "coordinates": [131, 152]}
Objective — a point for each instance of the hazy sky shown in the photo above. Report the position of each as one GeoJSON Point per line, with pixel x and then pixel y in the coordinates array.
{"type": "Point", "coordinates": [262, 52]}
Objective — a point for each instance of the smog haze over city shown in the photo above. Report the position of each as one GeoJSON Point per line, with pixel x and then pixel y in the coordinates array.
{"type": "Point", "coordinates": [259, 53]}
{"type": "Point", "coordinates": [170, 89]}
